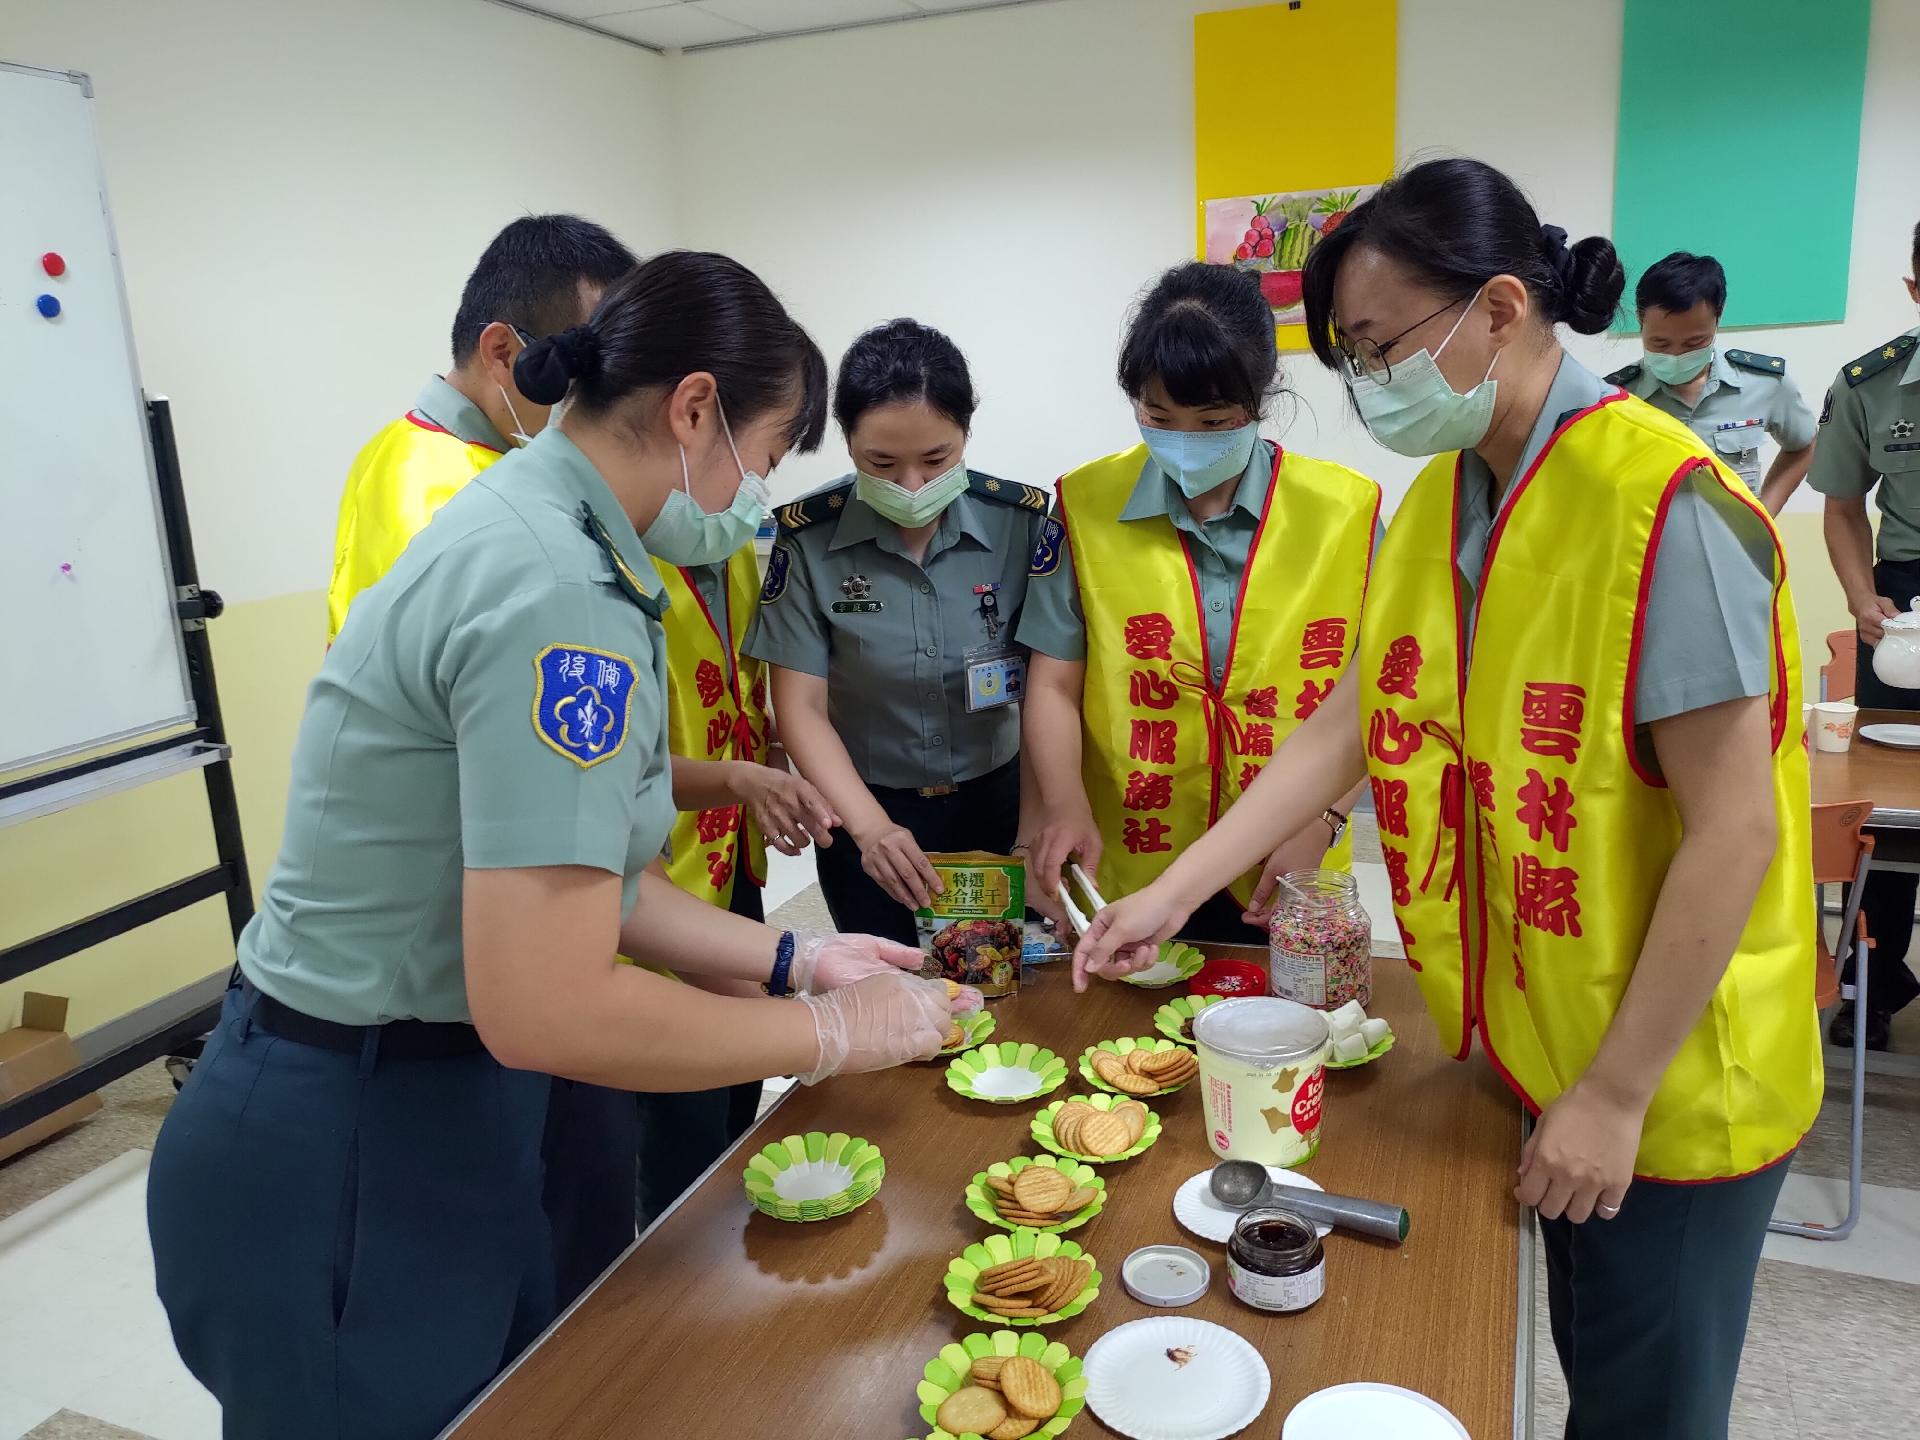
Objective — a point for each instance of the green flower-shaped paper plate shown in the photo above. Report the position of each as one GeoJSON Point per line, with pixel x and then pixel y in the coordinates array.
{"type": "Point", "coordinates": [1177, 963]}
{"type": "Point", "coordinates": [952, 1368]}
{"type": "Point", "coordinates": [1175, 1013]}
{"type": "Point", "coordinates": [1124, 1048]}
{"type": "Point", "coordinates": [1367, 1059]}
{"type": "Point", "coordinates": [980, 1202]}
{"type": "Point", "coordinates": [1007, 1073]}
{"type": "Point", "coordinates": [964, 1270]}
{"type": "Point", "coordinates": [975, 1026]}
{"type": "Point", "coordinates": [814, 1176]}
{"type": "Point", "coordinates": [1043, 1129]}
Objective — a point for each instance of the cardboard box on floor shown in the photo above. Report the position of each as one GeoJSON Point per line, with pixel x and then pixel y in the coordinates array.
{"type": "Point", "coordinates": [35, 1051]}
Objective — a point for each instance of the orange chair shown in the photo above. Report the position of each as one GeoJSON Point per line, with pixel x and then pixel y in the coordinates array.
{"type": "Point", "coordinates": [1840, 857]}
{"type": "Point", "coordinates": [1836, 676]}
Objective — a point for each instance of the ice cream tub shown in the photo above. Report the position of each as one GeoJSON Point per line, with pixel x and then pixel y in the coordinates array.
{"type": "Point", "coordinates": [1262, 1078]}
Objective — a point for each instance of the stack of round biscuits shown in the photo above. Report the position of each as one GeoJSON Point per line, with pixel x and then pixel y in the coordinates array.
{"type": "Point", "coordinates": [1010, 1397]}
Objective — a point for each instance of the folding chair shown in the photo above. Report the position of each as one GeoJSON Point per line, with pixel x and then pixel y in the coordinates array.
{"type": "Point", "coordinates": [1840, 856]}
{"type": "Point", "coordinates": [1836, 676]}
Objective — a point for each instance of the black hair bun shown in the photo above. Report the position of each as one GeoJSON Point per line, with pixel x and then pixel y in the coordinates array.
{"type": "Point", "coordinates": [1591, 280]}
{"type": "Point", "coordinates": [546, 368]}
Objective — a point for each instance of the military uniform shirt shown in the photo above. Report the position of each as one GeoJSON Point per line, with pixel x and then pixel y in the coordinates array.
{"type": "Point", "coordinates": [893, 639]}
{"type": "Point", "coordinates": [497, 701]}
{"type": "Point", "coordinates": [1870, 434]}
{"type": "Point", "coordinates": [1709, 623]}
{"type": "Point", "coordinates": [454, 413]}
{"type": "Point", "coordinates": [1746, 396]}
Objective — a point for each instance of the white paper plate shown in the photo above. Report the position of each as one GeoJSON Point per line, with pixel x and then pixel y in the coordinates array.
{"type": "Point", "coordinates": [1900, 737]}
{"type": "Point", "coordinates": [1195, 1207]}
{"type": "Point", "coordinates": [1349, 1410]}
{"type": "Point", "coordinates": [812, 1180]}
{"type": "Point", "coordinates": [1007, 1082]}
{"type": "Point", "coordinates": [1138, 1389]}
{"type": "Point", "coordinates": [1161, 972]}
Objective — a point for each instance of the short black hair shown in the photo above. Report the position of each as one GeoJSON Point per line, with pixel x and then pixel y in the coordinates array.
{"type": "Point", "coordinates": [1456, 224]}
{"type": "Point", "coordinates": [903, 360]}
{"type": "Point", "coordinates": [1205, 332]}
{"type": "Point", "coordinates": [1680, 282]}
{"type": "Point", "coordinates": [1916, 250]}
{"type": "Point", "coordinates": [530, 274]}
{"type": "Point", "coordinates": [679, 313]}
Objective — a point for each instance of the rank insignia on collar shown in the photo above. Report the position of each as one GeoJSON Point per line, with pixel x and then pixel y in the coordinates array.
{"type": "Point", "coordinates": [856, 587]}
{"type": "Point", "coordinates": [1902, 429]}
{"type": "Point", "coordinates": [655, 604]}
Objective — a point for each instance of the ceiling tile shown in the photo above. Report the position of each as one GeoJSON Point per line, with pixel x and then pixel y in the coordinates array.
{"type": "Point", "coordinates": [790, 16]}
{"type": "Point", "coordinates": [671, 26]}
{"type": "Point", "coordinates": [579, 9]}
{"type": "Point", "coordinates": [951, 4]}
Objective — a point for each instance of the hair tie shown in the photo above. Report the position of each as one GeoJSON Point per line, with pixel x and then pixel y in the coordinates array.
{"type": "Point", "coordinates": [1558, 255]}
{"type": "Point", "coordinates": [545, 369]}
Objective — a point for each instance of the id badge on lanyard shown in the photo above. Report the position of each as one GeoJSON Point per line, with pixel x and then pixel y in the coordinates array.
{"type": "Point", "coordinates": [996, 671]}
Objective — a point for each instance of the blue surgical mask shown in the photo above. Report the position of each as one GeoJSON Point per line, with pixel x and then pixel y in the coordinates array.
{"type": "Point", "coordinates": [1676, 369]}
{"type": "Point", "coordinates": [1201, 460]}
{"type": "Point", "coordinates": [1416, 412]}
{"type": "Point", "coordinates": [684, 534]}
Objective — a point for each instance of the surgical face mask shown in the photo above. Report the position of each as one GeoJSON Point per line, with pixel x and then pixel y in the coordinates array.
{"type": "Point", "coordinates": [518, 434]}
{"type": "Point", "coordinates": [1676, 369]}
{"type": "Point", "coordinates": [910, 509]}
{"type": "Point", "coordinates": [1201, 460]}
{"type": "Point", "coordinates": [1416, 412]}
{"type": "Point", "coordinates": [684, 534]}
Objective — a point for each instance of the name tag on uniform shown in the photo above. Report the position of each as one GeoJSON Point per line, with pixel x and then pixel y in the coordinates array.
{"type": "Point", "coordinates": [996, 681]}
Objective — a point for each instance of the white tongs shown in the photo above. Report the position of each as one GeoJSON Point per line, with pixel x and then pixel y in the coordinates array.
{"type": "Point", "coordinates": [1088, 890]}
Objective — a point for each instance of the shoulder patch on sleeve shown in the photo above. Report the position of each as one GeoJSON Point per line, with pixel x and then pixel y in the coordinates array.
{"type": "Point", "coordinates": [778, 564]}
{"type": "Point", "coordinates": [1625, 375]}
{"type": "Point", "coordinates": [1046, 550]}
{"type": "Point", "coordinates": [582, 699]}
{"type": "Point", "coordinates": [1826, 407]}
{"type": "Point", "coordinates": [812, 509]}
{"type": "Point", "coordinates": [1874, 361]}
{"type": "Point", "coordinates": [1760, 364]}
{"type": "Point", "coordinates": [1007, 492]}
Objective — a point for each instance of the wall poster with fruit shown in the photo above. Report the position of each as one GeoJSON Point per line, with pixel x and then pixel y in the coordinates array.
{"type": "Point", "coordinates": [1272, 235]}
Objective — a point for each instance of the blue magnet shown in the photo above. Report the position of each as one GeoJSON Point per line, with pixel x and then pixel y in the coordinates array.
{"type": "Point", "coordinates": [48, 305]}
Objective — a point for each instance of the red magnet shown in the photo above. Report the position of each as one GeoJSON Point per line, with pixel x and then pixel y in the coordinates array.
{"type": "Point", "coordinates": [53, 263]}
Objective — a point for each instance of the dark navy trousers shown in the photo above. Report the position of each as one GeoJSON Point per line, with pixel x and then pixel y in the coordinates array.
{"type": "Point", "coordinates": [350, 1246]}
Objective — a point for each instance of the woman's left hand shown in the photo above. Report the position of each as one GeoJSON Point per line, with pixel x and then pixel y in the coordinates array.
{"type": "Point", "coordinates": [827, 962]}
{"type": "Point", "coordinates": [1305, 851]}
{"type": "Point", "coordinates": [1579, 1160]}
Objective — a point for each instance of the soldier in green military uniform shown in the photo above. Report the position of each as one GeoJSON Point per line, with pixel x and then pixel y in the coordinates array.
{"type": "Point", "coordinates": [1870, 436]}
{"type": "Point", "coordinates": [345, 1201]}
{"type": "Point", "coordinates": [888, 617]}
{"type": "Point", "coordinates": [1729, 398]}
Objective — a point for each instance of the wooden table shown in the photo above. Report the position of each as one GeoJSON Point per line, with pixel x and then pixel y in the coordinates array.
{"type": "Point", "coordinates": [1889, 778]}
{"type": "Point", "coordinates": [721, 1321]}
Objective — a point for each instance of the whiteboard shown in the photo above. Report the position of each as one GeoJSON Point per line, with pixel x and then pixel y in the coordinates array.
{"type": "Point", "coordinates": [90, 647]}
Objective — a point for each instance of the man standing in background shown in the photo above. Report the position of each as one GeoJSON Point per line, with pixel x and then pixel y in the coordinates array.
{"type": "Point", "coordinates": [1729, 398]}
{"type": "Point", "coordinates": [1870, 435]}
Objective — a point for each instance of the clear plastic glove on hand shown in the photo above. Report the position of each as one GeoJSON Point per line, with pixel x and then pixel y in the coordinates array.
{"type": "Point", "coordinates": [877, 1023]}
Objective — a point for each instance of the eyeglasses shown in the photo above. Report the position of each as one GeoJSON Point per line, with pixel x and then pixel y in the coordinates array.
{"type": "Point", "coordinates": [1369, 357]}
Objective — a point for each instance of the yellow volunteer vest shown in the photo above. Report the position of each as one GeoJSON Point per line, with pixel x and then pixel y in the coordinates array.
{"type": "Point", "coordinates": [1164, 751]}
{"type": "Point", "coordinates": [1570, 836]}
{"type": "Point", "coordinates": [716, 710]}
{"type": "Point", "coordinates": [400, 477]}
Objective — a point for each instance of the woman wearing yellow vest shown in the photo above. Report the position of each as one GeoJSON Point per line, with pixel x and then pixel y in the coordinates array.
{"type": "Point", "coordinates": [1192, 600]}
{"type": "Point", "coordinates": [1596, 759]}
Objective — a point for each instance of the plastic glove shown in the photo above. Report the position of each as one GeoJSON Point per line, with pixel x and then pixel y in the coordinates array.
{"type": "Point", "coordinates": [826, 962]}
{"type": "Point", "coordinates": [876, 1023]}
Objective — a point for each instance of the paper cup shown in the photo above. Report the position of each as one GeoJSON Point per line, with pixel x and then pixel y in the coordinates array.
{"type": "Point", "coordinates": [1833, 725]}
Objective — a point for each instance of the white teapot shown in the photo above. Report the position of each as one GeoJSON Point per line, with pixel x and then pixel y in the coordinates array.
{"type": "Point", "coordinates": [1896, 659]}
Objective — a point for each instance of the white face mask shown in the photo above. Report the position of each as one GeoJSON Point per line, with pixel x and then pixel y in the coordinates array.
{"type": "Point", "coordinates": [1416, 412]}
{"type": "Point", "coordinates": [518, 434]}
{"type": "Point", "coordinates": [684, 534]}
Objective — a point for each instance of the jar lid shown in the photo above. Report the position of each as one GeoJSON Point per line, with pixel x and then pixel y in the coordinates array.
{"type": "Point", "coordinates": [1166, 1275]}
{"type": "Point", "coordinates": [1264, 1030]}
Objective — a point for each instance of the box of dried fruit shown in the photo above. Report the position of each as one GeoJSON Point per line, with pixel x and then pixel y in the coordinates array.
{"type": "Point", "coordinates": [975, 929]}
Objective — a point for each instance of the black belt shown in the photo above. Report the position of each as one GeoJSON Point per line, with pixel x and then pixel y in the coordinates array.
{"type": "Point", "coordinates": [396, 1040]}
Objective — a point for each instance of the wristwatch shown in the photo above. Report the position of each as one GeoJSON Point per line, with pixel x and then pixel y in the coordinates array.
{"type": "Point", "coordinates": [779, 982]}
{"type": "Point", "coordinates": [1337, 822]}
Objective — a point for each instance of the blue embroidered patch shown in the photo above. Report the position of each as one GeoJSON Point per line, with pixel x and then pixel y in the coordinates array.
{"type": "Point", "coordinates": [778, 564]}
{"type": "Point", "coordinates": [1826, 409]}
{"type": "Point", "coordinates": [1046, 552]}
{"type": "Point", "coordinates": [581, 701]}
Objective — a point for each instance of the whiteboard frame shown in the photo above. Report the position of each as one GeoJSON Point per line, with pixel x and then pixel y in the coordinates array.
{"type": "Point", "coordinates": [190, 715]}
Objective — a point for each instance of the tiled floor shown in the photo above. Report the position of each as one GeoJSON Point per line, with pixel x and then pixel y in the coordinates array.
{"type": "Point", "coordinates": [84, 1351]}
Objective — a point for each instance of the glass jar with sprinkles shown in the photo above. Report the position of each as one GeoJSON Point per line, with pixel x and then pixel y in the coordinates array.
{"type": "Point", "coordinates": [1320, 941]}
